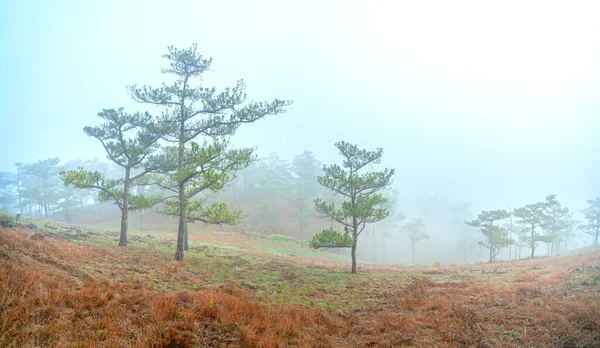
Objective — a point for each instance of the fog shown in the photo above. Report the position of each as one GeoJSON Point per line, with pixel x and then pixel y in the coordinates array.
{"type": "Point", "coordinates": [493, 105]}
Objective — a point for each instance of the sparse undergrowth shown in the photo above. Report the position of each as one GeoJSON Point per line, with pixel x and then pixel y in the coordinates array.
{"type": "Point", "coordinates": [65, 286]}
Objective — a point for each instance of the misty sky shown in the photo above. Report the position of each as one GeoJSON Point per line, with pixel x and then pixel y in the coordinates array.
{"type": "Point", "coordinates": [496, 105]}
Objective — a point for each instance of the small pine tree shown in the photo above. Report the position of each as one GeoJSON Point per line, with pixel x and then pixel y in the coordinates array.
{"type": "Point", "coordinates": [415, 231]}
{"type": "Point", "coordinates": [533, 216]}
{"type": "Point", "coordinates": [495, 237]}
{"type": "Point", "coordinates": [592, 215]}
{"type": "Point", "coordinates": [363, 202]}
{"type": "Point", "coordinates": [129, 140]}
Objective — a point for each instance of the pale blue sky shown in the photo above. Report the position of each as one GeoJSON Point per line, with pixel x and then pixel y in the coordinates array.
{"type": "Point", "coordinates": [493, 104]}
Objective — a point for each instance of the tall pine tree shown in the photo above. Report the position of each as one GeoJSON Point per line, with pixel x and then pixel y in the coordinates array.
{"type": "Point", "coordinates": [191, 111]}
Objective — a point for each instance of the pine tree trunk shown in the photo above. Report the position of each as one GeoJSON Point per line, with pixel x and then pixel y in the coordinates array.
{"type": "Point", "coordinates": [125, 209]}
{"type": "Point", "coordinates": [123, 236]}
{"type": "Point", "coordinates": [181, 229]}
{"type": "Point", "coordinates": [185, 238]}
{"type": "Point", "coordinates": [182, 208]}
{"type": "Point", "coordinates": [354, 253]}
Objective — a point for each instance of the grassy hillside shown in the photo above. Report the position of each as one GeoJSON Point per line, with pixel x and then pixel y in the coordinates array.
{"type": "Point", "coordinates": [70, 286]}
{"type": "Point", "coordinates": [445, 249]}
{"type": "Point", "coordinates": [108, 216]}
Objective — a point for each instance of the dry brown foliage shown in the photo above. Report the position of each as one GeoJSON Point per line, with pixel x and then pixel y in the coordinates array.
{"type": "Point", "coordinates": [47, 299]}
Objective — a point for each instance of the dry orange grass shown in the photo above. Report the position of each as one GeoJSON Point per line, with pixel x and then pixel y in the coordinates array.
{"type": "Point", "coordinates": [118, 316]}
{"type": "Point", "coordinates": [53, 307]}
{"type": "Point", "coordinates": [47, 300]}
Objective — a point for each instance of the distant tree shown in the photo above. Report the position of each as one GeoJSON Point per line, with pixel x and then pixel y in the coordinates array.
{"type": "Point", "coordinates": [268, 216]}
{"type": "Point", "coordinates": [468, 238]}
{"type": "Point", "coordinates": [248, 180]}
{"type": "Point", "coordinates": [415, 231]}
{"type": "Point", "coordinates": [495, 237]}
{"type": "Point", "coordinates": [19, 182]}
{"type": "Point", "coordinates": [278, 179]}
{"type": "Point", "coordinates": [191, 112]}
{"type": "Point", "coordinates": [8, 188]}
{"type": "Point", "coordinates": [460, 212]}
{"type": "Point", "coordinates": [43, 184]}
{"type": "Point", "coordinates": [275, 184]}
{"type": "Point", "coordinates": [362, 203]}
{"type": "Point", "coordinates": [26, 189]}
{"type": "Point", "coordinates": [520, 243]}
{"type": "Point", "coordinates": [513, 232]}
{"type": "Point", "coordinates": [558, 220]}
{"type": "Point", "coordinates": [306, 169]}
{"type": "Point", "coordinates": [128, 139]}
{"type": "Point", "coordinates": [394, 217]}
{"type": "Point", "coordinates": [68, 203]}
{"type": "Point", "coordinates": [301, 205]}
{"type": "Point", "coordinates": [592, 215]}
{"type": "Point", "coordinates": [533, 216]}
{"type": "Point", "coordinates": [568, 231]}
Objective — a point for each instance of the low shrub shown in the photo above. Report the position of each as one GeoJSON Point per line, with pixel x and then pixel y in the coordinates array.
{"type": "Point", "coordinates": [7, 220]}
{"type": "Point", "coordinates": [283, 238]}
{"type": "Point", "coordinates": [274, 237]}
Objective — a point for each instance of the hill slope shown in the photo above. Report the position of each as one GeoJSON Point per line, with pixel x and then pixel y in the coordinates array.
{"type": "Point", "coordinates": [70, 286]}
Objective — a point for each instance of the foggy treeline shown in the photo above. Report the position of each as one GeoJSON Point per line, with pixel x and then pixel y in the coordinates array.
{"type": "Point", "coordinates": [276, 197]}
